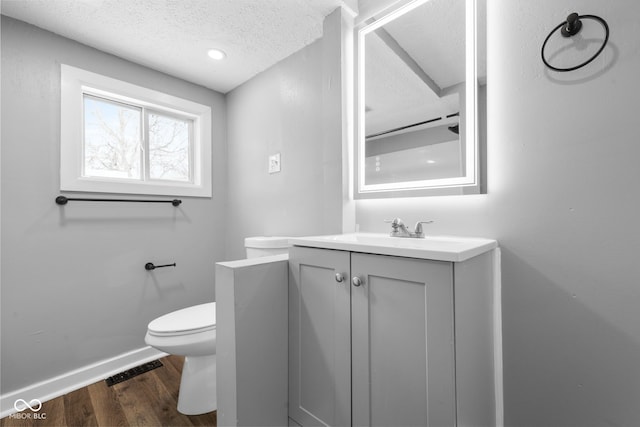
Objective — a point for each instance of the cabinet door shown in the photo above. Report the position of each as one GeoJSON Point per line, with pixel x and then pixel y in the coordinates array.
{"type": "Point", "coordinates": [403, 343]}
{"type": "Point", "coordinates": [319, 337]}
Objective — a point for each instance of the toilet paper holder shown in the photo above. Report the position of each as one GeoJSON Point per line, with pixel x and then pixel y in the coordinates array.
{"type": "Point", "coordinates": [150, 266]}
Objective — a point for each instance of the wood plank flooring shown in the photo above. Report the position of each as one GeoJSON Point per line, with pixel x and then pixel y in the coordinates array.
{"type": "Point", "coordinates": [149, 399]}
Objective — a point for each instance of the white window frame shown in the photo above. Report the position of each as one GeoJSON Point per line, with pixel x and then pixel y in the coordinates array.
{"type": "Point", "coordinates": [76, 82]}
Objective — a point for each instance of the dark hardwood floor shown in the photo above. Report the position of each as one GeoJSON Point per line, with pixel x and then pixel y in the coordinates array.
{"type": "Point", "coordinates": [149, 399]}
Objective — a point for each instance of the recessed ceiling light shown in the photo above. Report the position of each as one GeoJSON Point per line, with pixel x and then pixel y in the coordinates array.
{"type": "Point", "coordinates": [216, 54]}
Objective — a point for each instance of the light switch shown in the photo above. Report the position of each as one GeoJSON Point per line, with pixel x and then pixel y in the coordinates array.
{"type": "Point", "coordinates": [274, 163]}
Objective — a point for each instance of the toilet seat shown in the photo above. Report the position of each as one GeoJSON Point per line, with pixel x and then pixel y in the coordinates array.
{"type": "Point", "coordinates": [190, 320]}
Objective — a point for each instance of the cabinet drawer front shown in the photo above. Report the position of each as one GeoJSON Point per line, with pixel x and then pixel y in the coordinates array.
{"type": "Point", "coordinates": [402, 342]}
{"type": "Point", "coordinates": [319, 337]}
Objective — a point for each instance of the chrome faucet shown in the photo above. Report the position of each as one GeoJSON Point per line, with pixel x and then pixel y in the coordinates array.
{"type": "Point", "coordinates": [398, 229]}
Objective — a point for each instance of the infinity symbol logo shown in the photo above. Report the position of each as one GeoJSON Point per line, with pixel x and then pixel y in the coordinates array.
{"type": "Point", "coordinates": [37, 405]}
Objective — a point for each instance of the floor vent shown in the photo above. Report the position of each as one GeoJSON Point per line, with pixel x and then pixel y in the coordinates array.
{"type": "Point", "coordinates": [130, 373]}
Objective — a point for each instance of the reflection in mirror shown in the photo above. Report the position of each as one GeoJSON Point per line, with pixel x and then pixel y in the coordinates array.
{"type": "Point", "coordinates": [417, 100]}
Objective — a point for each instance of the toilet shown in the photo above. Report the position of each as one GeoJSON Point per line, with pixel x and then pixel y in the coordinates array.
{"type": "Point", "coordinates": [191, 332]}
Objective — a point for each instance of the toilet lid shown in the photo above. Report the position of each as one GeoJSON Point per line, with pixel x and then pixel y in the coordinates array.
{"type": "Point", "coordinates": [198, 318]}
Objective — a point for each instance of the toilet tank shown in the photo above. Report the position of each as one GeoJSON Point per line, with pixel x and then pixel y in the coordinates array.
{"type": "Point", "coordinates": [265, 246]}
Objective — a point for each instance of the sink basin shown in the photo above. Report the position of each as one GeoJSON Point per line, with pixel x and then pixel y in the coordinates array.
{"type": "Point", "coordinates": [439, 248]}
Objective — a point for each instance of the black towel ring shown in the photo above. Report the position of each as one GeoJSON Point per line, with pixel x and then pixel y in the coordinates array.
{"type": "Point", "coordinates": [571, 27]}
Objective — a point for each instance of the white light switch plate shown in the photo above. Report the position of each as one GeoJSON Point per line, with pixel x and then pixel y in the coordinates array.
{"type": "Point", "coordinates": [274, 163]}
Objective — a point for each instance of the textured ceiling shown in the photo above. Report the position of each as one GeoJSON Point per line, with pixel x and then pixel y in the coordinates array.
{"type": "Point", "coordinates": [173, 36]}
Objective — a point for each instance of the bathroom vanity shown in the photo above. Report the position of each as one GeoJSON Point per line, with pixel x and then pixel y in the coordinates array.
{"type": "Point", "coordinates": [393, 331]}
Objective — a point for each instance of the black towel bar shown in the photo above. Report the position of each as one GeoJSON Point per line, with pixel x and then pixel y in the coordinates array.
{"type": "Point", "coordinates": [62, 200]}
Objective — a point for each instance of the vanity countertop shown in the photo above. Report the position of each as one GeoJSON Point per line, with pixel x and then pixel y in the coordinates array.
{"type": "Point", "coordinates": [438, 248]}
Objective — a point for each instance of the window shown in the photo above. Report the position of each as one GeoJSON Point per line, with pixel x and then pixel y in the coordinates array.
{"type": "Point", "coordinates": [121, 138]}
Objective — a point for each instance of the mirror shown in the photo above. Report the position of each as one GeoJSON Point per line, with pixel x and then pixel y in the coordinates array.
{"type": "Point", "coordinates": [419, 68]}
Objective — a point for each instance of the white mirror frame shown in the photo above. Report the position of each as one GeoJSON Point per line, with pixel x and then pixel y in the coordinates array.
{"type": "Point", "coordinates": [467, 184]}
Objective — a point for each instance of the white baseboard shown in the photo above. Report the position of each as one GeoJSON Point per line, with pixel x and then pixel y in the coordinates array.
{"type": "Point", "coordinates": [74, 380]}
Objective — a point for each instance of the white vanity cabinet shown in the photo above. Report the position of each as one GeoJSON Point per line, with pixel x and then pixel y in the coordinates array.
{"type": "Point", "coordinates": [374, 339]}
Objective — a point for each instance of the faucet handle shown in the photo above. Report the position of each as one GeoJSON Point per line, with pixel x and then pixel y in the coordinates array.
{"type": "Point", "coordinates": [418, 228]}
{"type": "Point", "coordinates": [395, 222]}
{"type": "Point", "coordinates": [398, 228]}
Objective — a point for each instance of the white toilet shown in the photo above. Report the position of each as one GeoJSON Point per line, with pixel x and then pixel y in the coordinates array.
{"type": "Point", "coordinates": [191, 332]}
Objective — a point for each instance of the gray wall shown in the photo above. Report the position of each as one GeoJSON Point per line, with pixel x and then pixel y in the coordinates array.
{"type": "Point", "coordinates": [293, 108]}
{"type": "Point", "coordinates": [74, 290]}
{"type": "Point", "coordinates": [563, 202]}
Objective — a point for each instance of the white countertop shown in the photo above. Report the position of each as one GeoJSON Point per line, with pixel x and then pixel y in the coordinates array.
{"type": "Point", "coordinates": [438, 248]}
